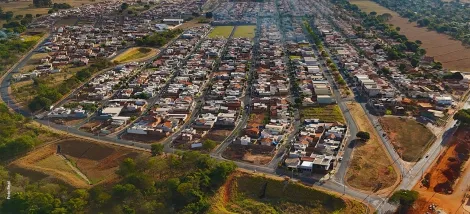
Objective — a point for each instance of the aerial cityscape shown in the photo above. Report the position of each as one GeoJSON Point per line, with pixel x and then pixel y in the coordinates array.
{"type": "Point", "coordinates": [235, 106]}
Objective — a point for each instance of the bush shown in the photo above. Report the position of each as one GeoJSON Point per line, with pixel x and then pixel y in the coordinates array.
{"type": "Point", "coordinates": [365, 136]}
{"type": "Point", "coordinates": [209, 144]}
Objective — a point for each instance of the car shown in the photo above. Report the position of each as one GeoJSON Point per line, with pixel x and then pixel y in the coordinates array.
{"type": "Point", "coordinates": [340, 158]}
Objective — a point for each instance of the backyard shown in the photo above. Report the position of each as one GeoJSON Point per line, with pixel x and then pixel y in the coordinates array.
{"type": "Point", "coordinates": [402, 134]}
{"type": "Point", "coordinates": [371, 168]}
{"type": "Point", "coordinates": [328, 113]}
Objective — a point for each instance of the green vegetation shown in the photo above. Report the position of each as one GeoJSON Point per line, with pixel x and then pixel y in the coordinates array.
{"type": "Point", "coordinates": [181, 183]}
{"type": "Point", "coordinates": [245, 31]}
{"type": "Point", "coordinates": [209, 145]}
{"type": "Point", "coordinates": [463, 116]}
{"type": "Point", "coordinates": [328, 113]}
{"type": "Point", "coordinates": [16, 137]}
{"type": "Point", "coordinates": [59, 6]}
{"type": "Point", "coordinates": [12, 49]}
{"type": "Point", "coordinates": [156, 149]}
{"type": "Point", "coordinates": [221, 31]}
{"type": "Point", "coordinates": [42, 3]}
{"type": "Point", "coordinates": [159, 39]}
{"type": "Point", "coordinates": [404, 198]}
{"type": "Point", "coordinates": [365, 136]}
{"type": "Point", "coordinates": [256, 194]}
{"type": "Point", "coordinates": [48, 95]}
{"type": "Point", "coordinates": [89, 107]}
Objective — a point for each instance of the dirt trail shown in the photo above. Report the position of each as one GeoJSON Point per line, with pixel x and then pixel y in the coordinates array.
{"type": "Point", "coordinates": [75, 169]}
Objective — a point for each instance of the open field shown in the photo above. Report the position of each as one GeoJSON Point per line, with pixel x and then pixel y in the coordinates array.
{"type": "Point", "coordinates": [221, 31]}
{"type": "Point", "coordinates": [403, 134]}
{"type": "Point", "coordinates": [245, 31]}
{"type": "Point", "coordinates": [246, 193]}
{"type": "Point", "coordinates": [451, 53]}
{"type": "Point", "coordinates": [254, 154]}
{"type": "Point", "coordinates": [25, 7]}
{"type": "Point", "coordinates": [370, 168]}
{"type": "Point", "coordinates": [328, 113]}
{"type": "Point", "coordinates": [136, 54]}
{"type": "Point", "coordinates": [96, 161]}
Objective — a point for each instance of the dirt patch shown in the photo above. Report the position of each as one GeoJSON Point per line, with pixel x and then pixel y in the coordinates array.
{"type": "Point", "coordinates": [217, 135]}
{"type": "Point", "coordinates": [97, 161]}
{"type": "Point", "coordinates": [254, 154]}
{"type": "Point", "coordinates": [371, 168]}
{"type": "Point", "coordinates": [451, 53]}
{"type": "Point", "coordinates": [402, 134]}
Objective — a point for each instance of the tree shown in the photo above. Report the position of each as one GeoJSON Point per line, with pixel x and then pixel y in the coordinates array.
{"type": "Point", "coordinates": [463, 116]}
{"type": "Point", "coordinates": [365, 136]}
{"type": "Point", "coordinates": [124, 6]}
{"type": "Point", "coordinates": [405, 198]}
{"type": "Point", "coordinates": [157, 149]}
{"type": "Point", "coordinates": [209, 144]}
{"type": "Point", "coordinates": [42, 3]}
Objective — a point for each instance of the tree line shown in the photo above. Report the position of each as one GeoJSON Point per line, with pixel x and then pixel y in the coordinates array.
{"type": "Point", "coordinates": [158, 39]}
{"type": "Point", "coordinates": [175, 183]}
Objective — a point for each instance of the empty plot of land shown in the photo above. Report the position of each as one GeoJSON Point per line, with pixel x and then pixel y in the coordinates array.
{"type": "Point", "coordinates": [328, 113]}
{"type": "Point", "coordinates": [245, 31]}
{"type": "Point", "coordinates": [136, 54]}
{"type": "Point", "coordinates": [371, 168]}
{"type": "Point", "coordinates": [241, 194]}
{"type": "Point", "coordinates": [98, 162]}
{"type": "Point", "coordinates": [221, 31]}
{"type": "Point", "coordinates": [451, 53]}
{"type": "Point", "coordinates": [410, 138]}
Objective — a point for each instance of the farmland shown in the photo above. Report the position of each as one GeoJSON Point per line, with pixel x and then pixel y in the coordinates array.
{"type": "Point", "coordinates": [96, 161]}
{"type": "Point", "coordinates": [245, 31]}
{"type": "Point", "coordinates": [402, 133]}
{"type": "Point", "coordinates": [135, 54]}
{"type": "Point", "coordinates": [451, 53]}
{"type": "Point", "coordinates": [221, 31]}
{"type": "Point", "coordinates": [371, 168]}
{"type": "Point", "coordinates": [243, 193]}
{"type": "Point", "coordinates": [329, 113]}
{"type": "Point", "coordinates": [26, 7]}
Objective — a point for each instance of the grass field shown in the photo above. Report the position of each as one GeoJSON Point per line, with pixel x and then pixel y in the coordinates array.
{"type": "Point", "coordinates": [241, 194]}
{"type": "Point", "coordinates": [405, 138]}
{"type": "Point", "coordinates": [96, 161]}
{"type": "Point", "coordinates": [370, 167]}
{"type": "Point", "coordinates": [328, 113]}
{"type": "Point", "coordinates": [451, 53]}
{"type": "Point", "coordinates": [136, 54]}
{"type": "Point", "coordinates": [245, 31]}
{"type": "Point", "coordinates": [221, 31]}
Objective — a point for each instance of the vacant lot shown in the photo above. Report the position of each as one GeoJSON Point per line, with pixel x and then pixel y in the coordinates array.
{"type": "Point", "coordinates": [404, 136]}
{"type": "Point", "coordinates": [245, 193]}
{"type": "Point", "coordinates": [254, 154]}
{"type": "Point", "coordinates": [451, 53]}
{"type": "Point", "coordinates": [371, 168]}
{"type": "Point", "coordinates": [245, 31]}
{"type": "Point", "coordinates": [221, 31]}
{"type": "Point", "coordinates": [450, 172]}
{"type": "Point", "coordinates": [328, 113]}
{"type": "Point", "coordinates": [136, 54]}
{"type": "Point", "coordinates": [97, 162]}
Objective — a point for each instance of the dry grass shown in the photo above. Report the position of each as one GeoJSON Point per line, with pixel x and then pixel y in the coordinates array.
{"type": "Point", "coordinates": [451, 53]}
{"type": "Point", "coordinates": [25, 7]}
{"type": "Point", "coordinates": [136, 54]}
{"type": "Point", "coordinates": [370, 164]}
{"type": "Point", "coordinates": [403, 134]}
{"type": "Point", "coordinates": [240, 194]}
